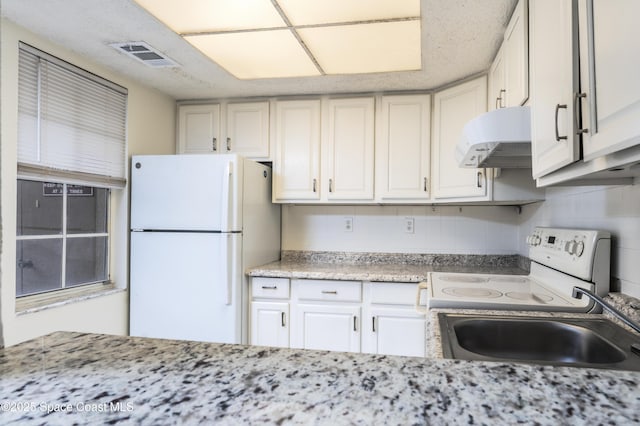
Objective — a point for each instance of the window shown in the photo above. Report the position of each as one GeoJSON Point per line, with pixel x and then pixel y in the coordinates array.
{"type": "Point", "coordinates": [62, 236]}
{"type": "Point", "coordinates": [71, 156]}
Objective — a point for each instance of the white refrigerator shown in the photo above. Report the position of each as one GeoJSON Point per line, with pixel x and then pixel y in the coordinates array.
{"type": "Point", "coordinates": [197, 223]}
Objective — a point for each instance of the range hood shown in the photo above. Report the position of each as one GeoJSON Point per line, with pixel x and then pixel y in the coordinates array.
{"type": "Point", "coordinates": [500, 138]}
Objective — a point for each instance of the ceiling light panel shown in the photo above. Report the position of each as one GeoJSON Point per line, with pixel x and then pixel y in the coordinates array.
{"type": "Point", "coordinates": [365, 48]}
{"type": "Point", "coordinates": [313, 12]}
{"type": "Point", "coordinates": [261, 54]}
{"type": "Point", "coordinates": [195, 16]}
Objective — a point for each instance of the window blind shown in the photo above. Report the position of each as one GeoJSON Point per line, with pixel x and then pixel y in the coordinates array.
{"type": "Point", "coordinates": [71, 123]}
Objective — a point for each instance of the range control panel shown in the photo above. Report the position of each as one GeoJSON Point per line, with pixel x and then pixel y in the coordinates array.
{"type": "Point", "coordinates": [577, 252]}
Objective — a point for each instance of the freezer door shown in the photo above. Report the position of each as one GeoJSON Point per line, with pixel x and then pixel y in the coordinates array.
{"type": "Point", "coordinates": [186, 192]}
{"type": "Point", "coordinates": [186, 286]}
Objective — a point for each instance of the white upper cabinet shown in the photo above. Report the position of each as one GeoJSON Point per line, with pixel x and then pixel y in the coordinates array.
{"type": "Point", "coordinates": [402, 149]}
{"type": "Point", "coordinates": [198, 129]}
{"type": "Point", "coordinates": [497, 83]}
{"type": "Point", "coordinates": [509, 72]}
{"type": "Point", "coordinates": [248, 129]}
{"type": "Point", "coordinates": [516, 52]}
{"type": "Point", "coordinates": [348, 145]}
{"type": "Point", "coordinates": [453, 108]}
{"type": "Point", "coordinates": [297, 159]}
{"type": "Point", "coordinates": [554, 81]}
{"type": "Point", "coordinates": [610, 75]}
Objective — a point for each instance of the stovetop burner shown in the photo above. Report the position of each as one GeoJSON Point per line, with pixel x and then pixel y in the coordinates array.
{"type": "Point", "coordinates": [477, 292]}
{"type": "Point", "coordinates": [464, 278]}
{"type": "Point", "coordinates": [531, 296]}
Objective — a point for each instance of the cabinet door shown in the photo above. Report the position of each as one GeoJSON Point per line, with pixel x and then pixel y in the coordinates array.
{"type": "Point", "coordinates": [453, 108]}
{"type": "Point", "coordinates": [497, 88]}
{"type": "Point", "coordinates": [610, 70]}
{"type": "Point", "coordinates": [348, 160]}
{"type": "Point", "coordinates": [270, 324]}
{"type": "Point", "coordinates": [248, 129]}
{"type": "Point", "coordinates": [402, 149]}
{"type": "Point", "coordinates": [198, 129]}
{"type": "Point", "coordinates": [394, 331]}
{"type": "Point", "coordinates": [553, 64]}
{"type": "Point", "coordinates": [326, 327]}
{"type": "Point", "coordinates": [516, 46]}
{"type": "Point", "coordinates": [297, 163]}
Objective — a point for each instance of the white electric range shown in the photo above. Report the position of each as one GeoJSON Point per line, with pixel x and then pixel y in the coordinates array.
{"type": "Point", "coordinates": [560, 260]}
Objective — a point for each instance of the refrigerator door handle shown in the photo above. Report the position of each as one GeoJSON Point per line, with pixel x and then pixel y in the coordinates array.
{"type": "Point", "coordinates": [227, 254]}
{"type": "Point", "coordinates": [226, 197]}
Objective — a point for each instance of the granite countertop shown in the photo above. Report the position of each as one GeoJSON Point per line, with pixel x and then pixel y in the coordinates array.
{"type": "Point", "coordinates": [73, 378]}
{"type": "Point", "coordinates": [384, 267]}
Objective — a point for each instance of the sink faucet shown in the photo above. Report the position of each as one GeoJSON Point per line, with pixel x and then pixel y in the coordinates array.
{"type": "Point", "coordinates": [579, 291]}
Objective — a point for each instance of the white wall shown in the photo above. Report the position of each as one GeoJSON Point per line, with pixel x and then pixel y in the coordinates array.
{"type": "Point", "coordinates": [615, 209]}
{"type": "Point", "coordinates": [438, 229]}
{"type": "Point", "coordinates": [150, 129]}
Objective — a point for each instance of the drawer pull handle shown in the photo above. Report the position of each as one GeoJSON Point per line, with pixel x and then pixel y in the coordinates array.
{"type": "Point", "coordinates": [269, 287]}
{"type": "Point", "coordinates": [283, 319]}
{"type": "Point", "coordinates": [374, 323]}
{"type": "Point", "coordinates": [355, 325]}
{"type": "Point", "coordinates": [329, 292]}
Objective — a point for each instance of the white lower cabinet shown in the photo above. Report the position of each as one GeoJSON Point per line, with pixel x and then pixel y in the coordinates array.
{"type": "Point", "coordinates": [326, 327]}
{"type": "Point", "coordinates": [269, 312]}
{"type": "Point", "coordinates": [326, 315]}
{"type": "Point", "coordinates": [391, 325]}
{"type": "Point", "coordinates": [345, 316]}
{"type": "Point", "coordinates": [270, 324]}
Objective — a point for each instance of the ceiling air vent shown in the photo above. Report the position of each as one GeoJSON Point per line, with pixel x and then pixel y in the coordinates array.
{"type": "Point", "coordinates": [144, 53]}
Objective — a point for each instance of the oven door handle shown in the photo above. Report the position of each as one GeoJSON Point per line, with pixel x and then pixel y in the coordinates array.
{"type": "Point", "coordinates": [424, 285]}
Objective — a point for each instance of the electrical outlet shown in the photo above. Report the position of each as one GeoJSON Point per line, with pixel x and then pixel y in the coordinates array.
{"type": "Point", "coordinates": [348, 224]}
{"type": "Point", "coordinates": [409, 223]}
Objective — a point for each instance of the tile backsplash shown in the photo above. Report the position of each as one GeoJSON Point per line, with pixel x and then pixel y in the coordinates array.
{"type": "Point", "coordinates": [474, 229]}
{"type": "Point", "coordinates": [437, 229]}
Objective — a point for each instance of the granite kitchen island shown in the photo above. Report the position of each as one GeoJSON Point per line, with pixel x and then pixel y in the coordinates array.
{"type": "Point", "coordinates": [73, 378]}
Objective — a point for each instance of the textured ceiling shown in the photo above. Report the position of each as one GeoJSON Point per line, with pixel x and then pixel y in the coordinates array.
{"type": "Point", "coordinates": [459, 39]}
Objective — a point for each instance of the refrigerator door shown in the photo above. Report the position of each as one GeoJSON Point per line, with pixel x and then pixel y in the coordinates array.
{"type": "Point", "coordinates": [186, 192]}
{"type": "Point", "coordinates": [186, 286]}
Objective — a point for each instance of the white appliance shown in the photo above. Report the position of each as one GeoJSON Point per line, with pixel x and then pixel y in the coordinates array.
{"type": "Point", "coordinates": [197, 222]}
{"type": "Point", "coordinates": [560, 260]}
{"type": "Point", "coordinates": [499, 138]}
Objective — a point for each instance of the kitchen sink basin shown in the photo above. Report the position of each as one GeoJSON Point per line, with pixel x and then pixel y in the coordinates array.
{"type": "Point", "coordinates": [588, 342]}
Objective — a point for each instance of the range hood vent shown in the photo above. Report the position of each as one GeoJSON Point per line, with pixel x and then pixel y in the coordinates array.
{"type": "Point", "coordinates": [500, 138]}
{"type": "Point", "coordinates": [144, 53]}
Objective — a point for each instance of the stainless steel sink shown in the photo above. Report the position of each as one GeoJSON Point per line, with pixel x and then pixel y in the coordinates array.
{"type": "Point", "coordinates": [592, 342]}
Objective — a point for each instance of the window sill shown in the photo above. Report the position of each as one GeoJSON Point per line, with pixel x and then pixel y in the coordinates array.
{"type": "Point", "coordinates": [41, 302]}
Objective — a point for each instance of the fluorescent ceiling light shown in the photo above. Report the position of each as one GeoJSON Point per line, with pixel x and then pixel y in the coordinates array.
{"type": "Point", "coordinates": [297, 38]}
{"type": "Point", "coordinates": [365, 48]}
{"type": "Point", "coordinates": [258, 54]}
{"type": "Point", "coordinates": [312, 12]}
{"type": "Point", "coordinates": [194, 16]}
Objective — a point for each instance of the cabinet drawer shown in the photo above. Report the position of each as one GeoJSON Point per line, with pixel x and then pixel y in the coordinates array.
{"type": "Point", "coordinates": [270, 288]}
{"type": "Point", "coordinates": [392, 293]}
{"type": "Point", "coordinates": [338, 291]}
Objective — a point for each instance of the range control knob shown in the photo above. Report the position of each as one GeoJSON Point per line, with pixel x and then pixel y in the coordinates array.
{"type": "Point", "coordinates": [579, 248]}
{"type": "Point", "coordinates": [570, 247]}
